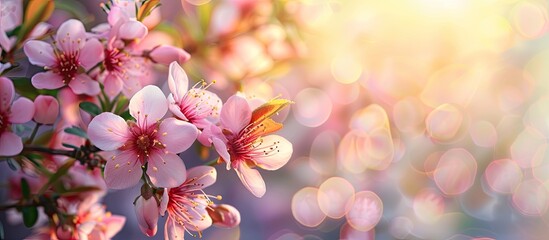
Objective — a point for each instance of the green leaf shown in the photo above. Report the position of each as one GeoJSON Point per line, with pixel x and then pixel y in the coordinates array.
{"type": "Point", "coordinates": [121, 105]}
{"type": "Point", "coordinates": [69, 146]}
{"type": "Point", "coordinates": [126, 115]}
{"type": "Point", "coordinates": [90, 108]}
{"type": "Point", "coordinates": [44, 138]}
{"type": "Point", "coordinates": [76, 131]}
{"type": "Point", "coordinates": [30, 215]}
{"type": "Point", "coordinates": [25, 188]}
{"type": "Point", "coordinates": [78, 190]}
{"type": "Point", "coordinates": [62, 171]}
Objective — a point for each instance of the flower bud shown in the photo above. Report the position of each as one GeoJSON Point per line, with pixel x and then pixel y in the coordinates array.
{"type": "Point", "coordinates": [225, 216]}
{"type": "Point", "coordinates": [146, 211]}
{"type": "Point", "coordinates": [46, 109]}
{"type": "Point", "coordinates": [166, 54]}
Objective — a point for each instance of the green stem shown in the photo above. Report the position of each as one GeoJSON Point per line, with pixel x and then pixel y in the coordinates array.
{"type": "Point", "coordinates": [213, 162]}
{"type": "Point", "coordinates": [34, 131]}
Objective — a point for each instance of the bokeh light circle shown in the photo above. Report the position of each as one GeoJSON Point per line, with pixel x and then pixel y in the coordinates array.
{"type": "Point", "coordinates": [503, 175]}
{"type": "Point", "coordinates": [335, 197]}
{"type": "Point", "coordinates": [456, 171]}
{"type": "Point", "coordinates": [531, 198]}
{"type": "Point", "coordinates": [305, 207]}
{"type": "Point", "coordinates": [365, 212]}
{"type": "Point", "coordinates": [312, 107]}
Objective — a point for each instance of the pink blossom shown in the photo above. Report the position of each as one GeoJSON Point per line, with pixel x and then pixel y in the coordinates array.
{"type": "Point", "coordinates": [225, 216]}
{"type": "Point", "coordinates": [245, 144]}
{"type": "Point", "coordinates": [66, 60]}
{"type": "Point", "coordinates": [196, 105]}
{"type": "Point", "coordinates": [20, 111]}
{"type": "Point", "coordinates": [165, 54]}
{"type": "Point", "coordinates": [187, 204]}
{"type": "Point", "coordinates": [149, 141]}
{"type": "Point", "coordinates": [146, 211]}
{"type": "Point", "coordinates": [11, 15]}
{"type": "Point", "coordinates": [46, 109]}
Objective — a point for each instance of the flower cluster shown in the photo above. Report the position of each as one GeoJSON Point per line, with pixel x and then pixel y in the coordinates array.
{"type": "Point", "coordinates": [92, 116]}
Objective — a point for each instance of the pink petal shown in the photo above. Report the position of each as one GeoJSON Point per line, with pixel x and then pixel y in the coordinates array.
{"type": "Point", "coordinates": [108, 131]}
{"type": "Point", "coordinates": [166, 54]}
{"type": "Point", "coordinates": [175, 109]}
{"type": "Point", "coordinates": [172, 230]}
{"type": "Point", "coordinates": [177, 135]}
{"type": "Point", "coordinates": [6, 93]}
{"type": "Point", "coordinates": [113, 85]}
{"type": "Point", "coordinates": [166, 170]}
{"type": "Point", "coordinates": [116, 14]}
{"type": "Point", "coordinates": [5, 42]}
{"type": "Point", "coordinates": [148, 105]}
{"type": "Point", "coordinates": [200, 219]}
{"type": "Point", "coordinates": [132, 30]}
{"type": "Point", "coordinates": [236, 114]}
{"type": "Point", "coordinates": [113, 225]}
{"type": "Point", "coordinates": [146, 211]}
{"type": "Point", "coordinates": [71, 36]}
{"type": "Point", "coordinates": [91, 54]}
{"type": "Point", "coordinates": [84, 84]}
{"type": "Point", "coordinates": [10, 144]}
{"type": "Point", "coordinates": [122, 171]}
{"type": "Point", "coordinates": [47, 80]}
{"type": "Point", "coordinates": [215, 105]}
{"type": "Point", "coordinates": [251, 179]}
{"type": "Point", "coordinates": [177, 81]}
{"type": "Point", "coordinates": [278, 157]}
{"type": "Point", "coordinates": [230, 216]}
{"type": "Point", "coordinates": [22, 111]}
{"type": "Point", "coordinates": [203, 176]}
{"type": "Point", "coordinates": [46, 109]}
{"type": "Point", "coordinates": [221, 149]}
{"type": "Point", "coordinates": [40, 53]}
{"type": "Point", "coordinates": [164, 202]}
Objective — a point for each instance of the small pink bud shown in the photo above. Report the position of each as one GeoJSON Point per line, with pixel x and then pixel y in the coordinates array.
{"type": "Point", "coordinates": [225, 216]}
{"type": "Point", "coordinates": [146, 211]}
{"type": "Point", "coordinates": [166, 54]}
{"type": "Point", "coordinates": [46, 109]}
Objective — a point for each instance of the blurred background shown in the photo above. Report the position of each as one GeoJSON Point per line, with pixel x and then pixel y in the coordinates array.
{"type": "Point", "coordinates": [413, 119]}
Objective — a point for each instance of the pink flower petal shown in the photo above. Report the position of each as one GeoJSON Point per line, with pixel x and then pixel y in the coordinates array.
{"type": "Point", "coordinates": [146, 211]}
{"type": "Point", "coordinates": [175, 109]}
{"type": "Point", "coordinates": [177, 135]}
{"type": "Point", "coordinates": [178, 81]}
{"type": "Point", "coordinates": [84, 84]}
{"type": "Point", "coordinates": [200, 219]}
{"type": "Point", "coordinates": [203, 176]}
{"type": "Point", "coordinates": [108, 131]}
{"type": "Point", "coordinates": [132, 30]}
{"type": "Point", "coordinates": [116, 14]}
{"type": "Point", "coordinates": [251, 179]}
{"type": "Point", "coordinates": [166, 54]}
{"type": "Point", "coordinates": [91, 54]}
{"type": "Point", "coordinates": [113, 225]}
{"type": "Point", "coordinates": [230, 216]}
{"type": "Point", "coordinates": [5, 42]}
{"type": "Point", "coordinates": [46, 109]}
{"type": "Point", "coordinates": [6, 93]}
{"type": "Point", "coordinates": [10, 144]}
{"type": "Point", "coordinates": [172, 230]}
{"type": "Point", "coordinates": [22, 111]}
{"type": "Point", "coordinates": [236, 114]}
{"type": "Point", "coordinates": [40, 53]}
{"type": "Point", "coordinates": [71, 36]}
{"type": "Point", "coordinates": [164, 202]}
{"type": "Point", "coordinates": [113, 85]}
{"type": "Point", "coordinates": [122, 171]}
{"type": "Point", "coordinates": [281, 152]}
{"type": "Point", "coordinates": [166, 170]}
{"type": "Point", "coordinates": [221, 149]}
{"type": "Point", "coordinates": [148, 105]}
{"type": "Point", "coordinates": [47, 80]}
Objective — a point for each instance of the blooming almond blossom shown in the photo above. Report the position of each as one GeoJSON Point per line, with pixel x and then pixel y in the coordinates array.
{"type": "Point", "coordinates": [67, 60]}
{"type": "Point", "coordinates": [244, 142]}
{"type": "Point", "coordinates": [187, 204]}
{"type": "Point", "coordinates": [149, 142]}
{"type": "Point", "coordinates": [20, 111]}
{"type": "Point", "coordinates": [196, 105]}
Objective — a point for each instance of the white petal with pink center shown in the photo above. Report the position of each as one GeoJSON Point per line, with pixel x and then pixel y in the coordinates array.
{"type": "Point", "coordinates": [108, 131]}
{"type": "Point", "coordinates": [122, 170]}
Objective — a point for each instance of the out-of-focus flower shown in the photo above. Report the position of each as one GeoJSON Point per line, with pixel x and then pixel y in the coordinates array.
{"type": "Point", "coordinates": [67, 61]}
{"type": "Point", "coordinates": [11, 15]}
{"type": "Point", "coordinates": [146, 211]}
{"type": "Point", "coordinates": [150, 141]}
{"type": "Point", "coordinates": [224, 215]}
{"type": "Point", "coordinates": [166, 54]}
{"type": "Point", "coordinates": [196, 105]}
{"type": "Point", "coordinates": [46, 109]}
{"type": "Point", "coordinates": [187, 204]}
{"type": "Point", "coordinates": [245, 143]}
{"type": "Point", "coordinates": [20, 111]}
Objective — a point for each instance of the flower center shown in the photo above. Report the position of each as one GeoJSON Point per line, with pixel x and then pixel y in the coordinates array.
{"type": "Point", "coordinates": [143, 143]}
{"type": "Point", "coordinates": [114, 59]}
{"type": "Point", "coordinates": [67, 66]}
